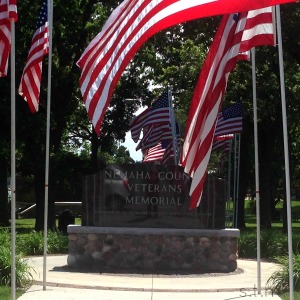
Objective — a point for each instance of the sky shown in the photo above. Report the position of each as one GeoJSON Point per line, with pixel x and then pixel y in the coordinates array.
{"type": "Point", "coordinates": [130, 144]}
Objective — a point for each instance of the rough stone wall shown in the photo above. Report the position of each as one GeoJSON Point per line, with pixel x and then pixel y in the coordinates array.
{"type": "Point", "coordinates": [152, 253]}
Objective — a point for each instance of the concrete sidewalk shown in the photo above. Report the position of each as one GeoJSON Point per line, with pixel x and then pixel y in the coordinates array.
{"type": "Point", "coordinates": [64, 283]}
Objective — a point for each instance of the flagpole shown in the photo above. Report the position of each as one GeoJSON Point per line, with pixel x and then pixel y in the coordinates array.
{"type": "Point", "coordinates": [13, 163]}
{"type": "Point", "coordinates": [229, 180]}
{"type": "Point", "coordinates": [50, 18]}
{"type": "Point", "coordinates": [173, 125]}
{"type": "Point", "coordinates": [238, 176]}
{"type": "Point", "coordinates": [257, 196]}
{"type": "Point", "coordinates": [286, 153]}
{"type": "Point", "coordinates": [234, 182]}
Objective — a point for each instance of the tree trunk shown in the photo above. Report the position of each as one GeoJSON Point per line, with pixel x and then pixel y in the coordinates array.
{"type": "Point", "coordinates": [265, 174]}
{"type": "Point", "coordinates": [245, 170]}
{"type": "Point", "coordinates": [284, 217]}
{"type": "Point", "coordinates": [52, 195]}
{"type": "Point", "coordinates": [94, 144]}
{"type": "Point", "coordinates": [39, 197]}
{"type": "Point", "coordinates": [40, 200]}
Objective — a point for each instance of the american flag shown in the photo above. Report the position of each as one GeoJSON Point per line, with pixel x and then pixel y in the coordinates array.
{"type": "Point", "coordinates": [230, 120]}
{"type": "Point", "coordinates": [157, 114]}
{"type": "Point", "coordinates": [155, 153]}
{"type": "Point", "coordinates": [163, 151]}
{"type": "Point", "coordinates": [221, 141]}
{"type": "Point", "coordinates": [207, 98]}
{"type": "Point", "coordinates": [129, 26]}
{"type": "Point", "coordinates": [259, 29]}
{"type": "Point", "coordinates": [169, 152]}
{"type": "Point", "coordinates": [153, 135]}
{"type": "Point", "coordinates": [30, 83]}
{"type": "Point", "coordinates": [8, 12]}
{"type": "Point", "coordinates": [226, 148]}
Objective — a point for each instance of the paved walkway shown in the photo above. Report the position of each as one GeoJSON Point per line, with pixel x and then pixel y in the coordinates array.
{"type": "Point", "coordinates": [66, 284]}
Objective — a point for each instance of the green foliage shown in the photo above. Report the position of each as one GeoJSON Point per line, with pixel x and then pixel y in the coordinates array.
{"type": "Point", "coordinates": [33, 243]}
{"type": "Point", "coordinates": [274, 246]}
{"type": "Point", "coordinates": [251, 206]}
{"type": "Point", "coordinates": [23, 271]}
{"type": "Point", "coordinates": [279, 281]}
{"type": "Point", "coordinates": [57, 243]}
{"type": "Point", "coordinates": [26, 244]}
{"type": "Point", "coordinates": [4, 238]}
{"type": "Point", "coordinates": [121, 156]}
{"type": "Point", "coordinates": [286, 295]}
{"type": "Point", "coordinates": [247, 245]}
{"type": "Point", "coordinates": [5, 293]}
{"type": "Point", "coordinates": [173, 56]}
{"type": "Point", "coordinates": [273, 243]}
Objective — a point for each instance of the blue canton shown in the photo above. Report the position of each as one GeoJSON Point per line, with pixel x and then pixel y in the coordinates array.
{"type": "Point", "coordinates": [43, 16]}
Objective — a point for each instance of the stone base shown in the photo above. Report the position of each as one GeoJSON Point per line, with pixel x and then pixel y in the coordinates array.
{"type": "Point", "coordinates": [149, 250]}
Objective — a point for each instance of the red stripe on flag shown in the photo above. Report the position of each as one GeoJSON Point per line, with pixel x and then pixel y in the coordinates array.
{"type": "Point", "coordinates": [129, 26]}
{"type": "Point", "coordinates": [30, 84]}
{"type": "Point", "coordinates": [207, 99]}
{"type": "Point", "coordinates": [208, 96]}
{"type": "Point", "coordinates": [8, 12]}
{"type": "Point", "coordinates": [157, 114]}
{"type": "Point", "coordinates": [259, 29]}
{"type": "Point", "coordinates": [154, 154]}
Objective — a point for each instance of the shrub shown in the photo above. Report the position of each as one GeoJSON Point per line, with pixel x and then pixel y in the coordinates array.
{"type": "Point", "coordinates": [23, 271]}
{"type": "Point", "coordinates": [33, 243]}
{"type": "Point", "coordinates": [57, 243]}
{"type": "Point", "coordinates": [29, 244]}
{"type": "Point", "coordinates": [279, 281]}
{"type": "Point", "coordinates": [247, 245]}
{"type": "Point", "coordinates": [251, 206]}
{"type": "Point", "coordinates": [273, 243]}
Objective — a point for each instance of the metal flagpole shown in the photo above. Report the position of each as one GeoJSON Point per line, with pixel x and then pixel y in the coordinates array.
{"type": "Point", "coordinates": [229, 179]}
{"type": "Point", "coordinates": [257, 197]}
{"type": "Point", "coordinates": [13, 164]}
{"type": "Point", "coordinates": [286, 153]}
{"type": "Point", "coordinates": [50, 18]}
{"type": "Point", "coordinates": [238, 176]}
{"type": "Point", "coordinates": [234, 182]}
{"type": "Point", "coordinates": [173, 124]}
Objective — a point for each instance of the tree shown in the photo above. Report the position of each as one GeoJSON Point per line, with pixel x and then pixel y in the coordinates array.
{"type": "Point", "coordinates": [70, 37]}
{"type": "Point", "coordinates": [172, 57]}
{"type": "Point", "coordinates": [271, 156]}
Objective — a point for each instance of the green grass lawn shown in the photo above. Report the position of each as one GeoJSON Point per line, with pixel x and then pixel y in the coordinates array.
{"type": "Point", "coordinates": [24, 226]}
{"type": "Point", "coordinates": [5, 293]}
{"type": "Point", "coordinates": [250, 215]}
{"type": "Point", "coordinates": [286, 296]}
